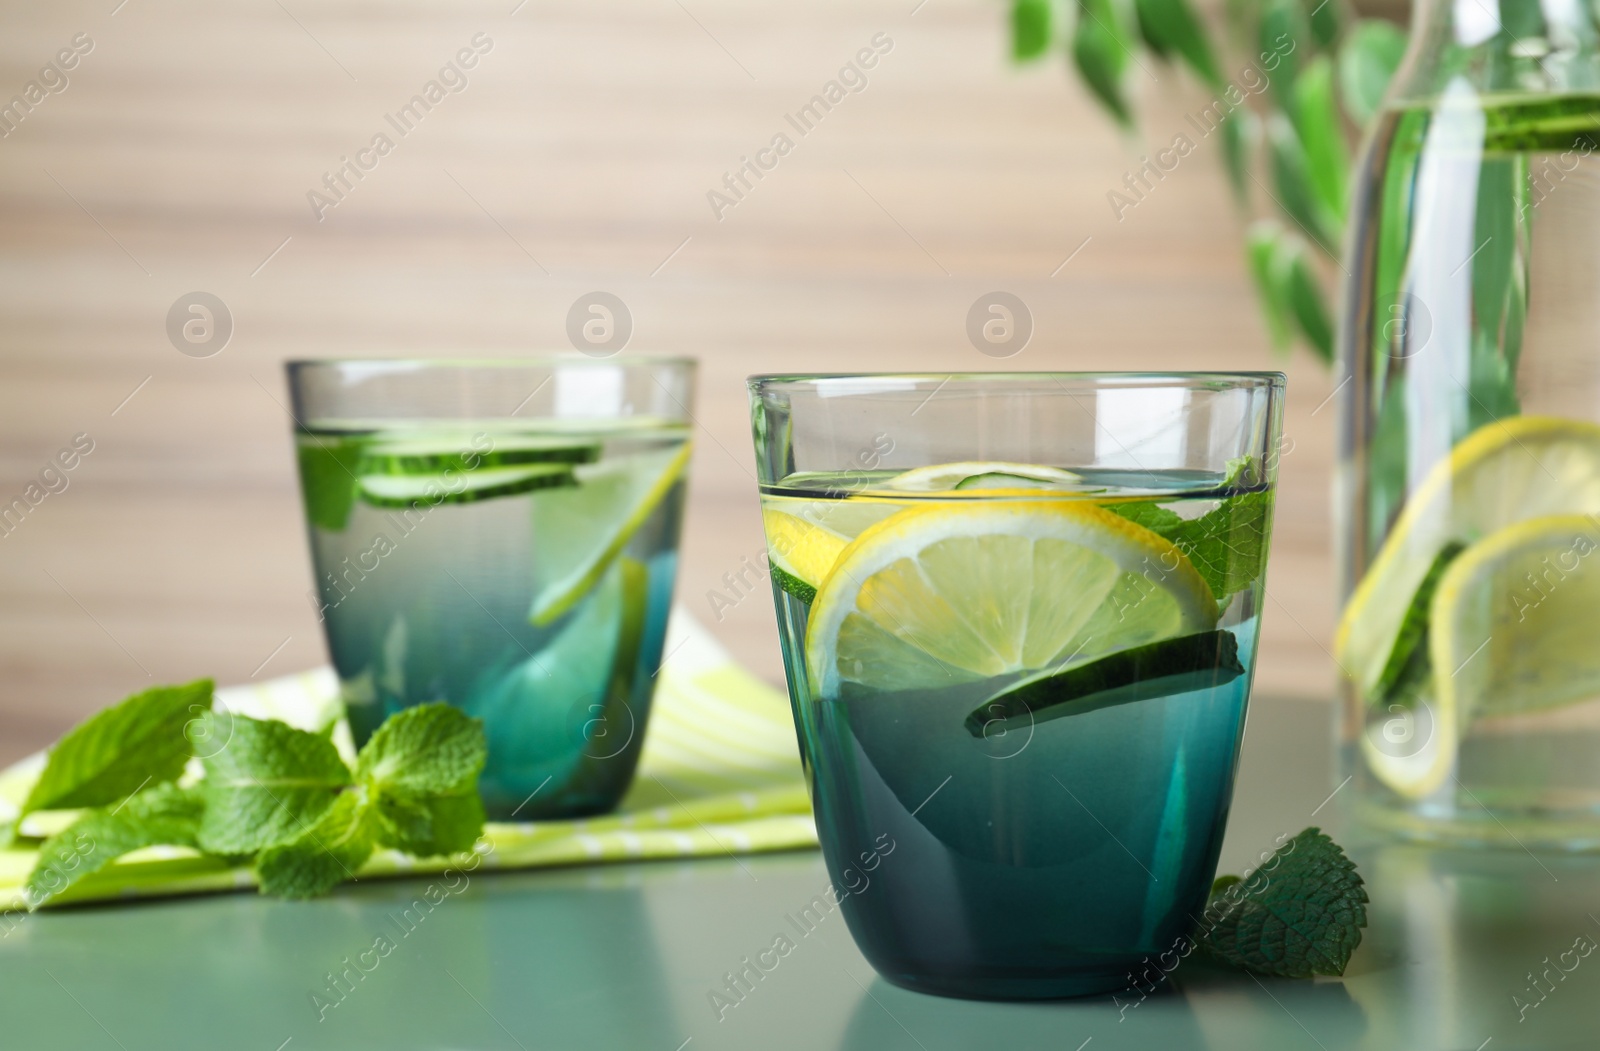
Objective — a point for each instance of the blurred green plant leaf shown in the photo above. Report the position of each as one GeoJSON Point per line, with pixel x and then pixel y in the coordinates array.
{"type": "Point", "coordinates": [1240, 132]}
{"type": "Point", "coordinates": [1172, 26]}
{"type": "Point", "coordinates": [1150, 30]}
{"type": "Point", "coordinates": [1291, 179]}
{"type": "Point", "coordinates": [1316, 120]}
{"type": "Point", "coordinates": [1290, 289]}
{"type": "Point", "coordinates": [1304, 290]}
{"type": "Point", "coordinates": [1262, 251]}
{"type": "Point", "coordinates": [1316, 58]}
{"type": "Point", "coordinates": [1327, 21]}
{"type": "Point", "coordinates": [1031, 27]}
{"type": "Point", "coordinates": [1101, 48]}
{"type": "Point", "coordinates": [1282, 30]}
{"type": "Point", "coordinates": [1367, 61]}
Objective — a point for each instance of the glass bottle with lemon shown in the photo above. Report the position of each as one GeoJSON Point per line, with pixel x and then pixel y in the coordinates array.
{"type": "Point", "coordinates": [1469, 641]}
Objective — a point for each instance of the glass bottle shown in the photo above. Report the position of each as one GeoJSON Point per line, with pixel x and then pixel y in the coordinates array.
{"type": "Point", "coordinates": [1469, 562]}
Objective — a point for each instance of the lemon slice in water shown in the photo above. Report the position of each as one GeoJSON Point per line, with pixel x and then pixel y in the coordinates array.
{"type": "Point", "coordinates": [940, 595]}
{"type": "Point", "coordinates": [805, 538]}
{"type": "Point", "coordinates": [983, 474]}
{"type": "Point", "coordinates": [579, 531]}
{"type": "Point", "coordinates": [1504, 472]}
{"type": "Point", "coordinates": [1516, 617]}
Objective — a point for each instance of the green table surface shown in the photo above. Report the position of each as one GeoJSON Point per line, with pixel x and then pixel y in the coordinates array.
{"type": "Point", "coordinates": [623, 957]}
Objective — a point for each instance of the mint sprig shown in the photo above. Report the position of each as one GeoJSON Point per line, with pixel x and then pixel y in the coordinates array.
{"type": "Point", "coordinates": [266, 785]}
{"type": "Point", "coordinates": [1228, 544]}
{"type": "Point", "coordinates": [278, 796]}
{"type": "Point", "coordinates": [116, 752]}
{"type": "Point", "coordinates": [162, 816]}
{"type": "Point", "coordinates": [1298, 915]}
{"type": "Point", "coordinates": [415, 789]}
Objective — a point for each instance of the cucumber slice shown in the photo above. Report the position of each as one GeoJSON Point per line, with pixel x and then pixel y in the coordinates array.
{"type": "Point", "coordinates": [791, 583]}
{"type": "Point", "coordinates": [1200, 661]}
{"type": "Point", "coordinates": [486, 483]}
{"type": "Point", "coordinates": [459, 453]}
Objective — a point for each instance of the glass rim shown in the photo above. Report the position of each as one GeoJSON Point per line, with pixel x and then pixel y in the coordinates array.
{"type": "Point", "coordinates": [552, 359]}
{"type": "Point", "coordinates": [1235, 380]}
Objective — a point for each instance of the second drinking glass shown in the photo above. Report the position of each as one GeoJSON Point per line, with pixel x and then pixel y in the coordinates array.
{"type": "Point", "coordinates": [501, 535]}
{"type": "Point", "coordinates": [1019, 617]}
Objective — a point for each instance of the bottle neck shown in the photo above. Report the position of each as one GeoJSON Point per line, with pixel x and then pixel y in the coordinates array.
{"type": "Point", "coordinates": [1520, 47]}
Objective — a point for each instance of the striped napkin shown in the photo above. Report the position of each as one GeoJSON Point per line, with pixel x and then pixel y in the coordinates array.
{"type": "Point", "coordinates": [719, 775]}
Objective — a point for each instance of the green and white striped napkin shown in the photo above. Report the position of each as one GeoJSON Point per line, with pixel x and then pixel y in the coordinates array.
{"type": "Point", "coordinates": [719, 775]}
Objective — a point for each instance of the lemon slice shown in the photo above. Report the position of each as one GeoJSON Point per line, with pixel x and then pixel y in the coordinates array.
{"type": "Point", "coordinates": [1412, 747]}
{"type": "Point", "coordinates": [982, 474]}
{"type": "Point", "coordinates": [1504, 472]}
{"type": "Point", "coordinates": [805, 538]}
{"type": "Point", "coordinates": [935, 596]}
{"type": "Point", "coordinates": [579, 531]}
{"type": "Point", "coordinates": [1515, 619]}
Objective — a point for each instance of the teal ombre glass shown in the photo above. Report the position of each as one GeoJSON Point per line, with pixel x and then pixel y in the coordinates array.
{"type": "Point", "coordinates": [1034, 857]}
{"type": "Point", "coordinates": [501, 535]}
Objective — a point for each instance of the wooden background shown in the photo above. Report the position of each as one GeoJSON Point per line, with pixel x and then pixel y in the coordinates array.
{"type": "Point", "coordinates": [578, 157]}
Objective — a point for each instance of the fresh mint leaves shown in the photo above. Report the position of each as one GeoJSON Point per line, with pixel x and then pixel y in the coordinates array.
{"type": "Point", "coordinates": [415, 790]}
{"type": "Point", "coordinates": [1228, 544]}
{"type": "Point", "coordinates": [328, 468]}
{"type": "Point", "coordinates": [163, 815]}
{"type": "Point", "coordinates": [1409, 669]}
{"type": "Point", "coordinates": [267, 784]}
{"type": "Point", "coordinates": [423, 774]}
{"type": "Point", "coordinates": [116, 752]}
{"type": "Point", "coordinates": [1298, 915]}
{"type": "Point", "coordinates": [322, 856]}
{"type": "Point", "coordinates": [429, 749]}
{"type": "Point", "coordinates": [270, 791]}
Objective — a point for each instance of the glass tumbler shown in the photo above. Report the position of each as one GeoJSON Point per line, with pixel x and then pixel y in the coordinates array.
{"type": "Point", "coordinates": [500, 535]}
{"type": "Point", "coordinates": [1018, 615]}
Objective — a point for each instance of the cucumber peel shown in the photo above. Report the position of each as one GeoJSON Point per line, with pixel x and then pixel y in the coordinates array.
{"type": "Point", "coordinates": [1203, 660]}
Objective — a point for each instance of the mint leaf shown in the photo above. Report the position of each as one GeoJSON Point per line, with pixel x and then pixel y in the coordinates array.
{"type": "Point", "coordinates": [164, 815]}
{"type": "Point", "coordinates": [1228, 544]}
{"type": "Point", "coordinates": [1409, 668]}
{"type": "Point", "coordinates": [324, 855]}
{"type": "Point", "coordinates": [116, 752]}
{"type": "Point", "coordinates": [1300, 914]}
{"type": "Point", "coordinates": [328, 477]}
{"type": "Point", "coordinates": [415, 790]}
{"type": "Point", "coordinates": [420, 770]}
{"type": "Point", "coordinates": [1152, 516]}
{"type": "Point", "coordinates": [267, 784]}
{"type": "Point", "coordinates": [425, 750]}
{"type": "Point", "coordinates": [448, 824]}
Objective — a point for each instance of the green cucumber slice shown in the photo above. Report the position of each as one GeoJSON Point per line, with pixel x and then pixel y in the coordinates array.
{"type": "Point", "coordinates": [460, 453]}
{"type": "Point", "coordinates": [486, 483]}
{"type": "Point", "coordinates": [791, 583]}
{"type": "Point", "coordinates": [1157, 669]}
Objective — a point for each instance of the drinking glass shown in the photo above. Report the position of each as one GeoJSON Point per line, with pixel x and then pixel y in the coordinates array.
{"type": "Point", "coordinates": [1018, 615]}
{"type": "Point", "coordinates": [501, 535]}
